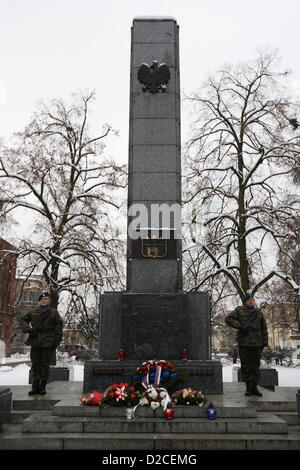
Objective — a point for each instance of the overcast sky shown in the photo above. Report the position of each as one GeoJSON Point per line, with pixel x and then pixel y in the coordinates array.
{"type": "Point", "coordinates": [51, 48]}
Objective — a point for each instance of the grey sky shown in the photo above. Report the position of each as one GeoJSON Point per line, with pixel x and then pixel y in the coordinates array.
{"type": "Point", "coordinates": [50, 48]}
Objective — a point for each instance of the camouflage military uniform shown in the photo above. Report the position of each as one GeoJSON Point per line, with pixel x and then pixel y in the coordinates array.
{"type": "Point", "coordinates": [48, 333]}
{"type": "Point", "coordinates": [251, 342]}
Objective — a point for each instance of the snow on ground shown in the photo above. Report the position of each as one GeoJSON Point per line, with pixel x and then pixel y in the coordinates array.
{"type": "Point", "coordinates": [287, 376]}
{"type": "Point", "coordinates": [14, 358]}
{"type": "Point", "coordinates": [19, 375]}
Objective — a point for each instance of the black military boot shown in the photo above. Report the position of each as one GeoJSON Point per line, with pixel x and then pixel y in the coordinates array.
{"type": "Point", "coordinates": [255, 390]}
{"type": "Point", "coordinates": [42, 388]}
{"type": "Point", "coordinates": [248, 388]}
{"type": "Point", "coordinates": [35, 388]}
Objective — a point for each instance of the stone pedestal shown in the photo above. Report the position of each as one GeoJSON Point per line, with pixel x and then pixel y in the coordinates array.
{"type": "Point", "coordinates": [154, 326]}
{"type": "Point", "coordinates": [201, 375]}
{"type": "Point", "coordinates": [55, 374]}
{"type": "Point", "coordinates": [5, 405]}
{"type": "Point", "coordinates": [268, 377]}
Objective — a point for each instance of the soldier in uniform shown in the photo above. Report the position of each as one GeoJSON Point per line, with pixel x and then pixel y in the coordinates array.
{"type": "Point", "coordinates": [252, 337]}
{"type": "Point", "coordinates": [44, 327]}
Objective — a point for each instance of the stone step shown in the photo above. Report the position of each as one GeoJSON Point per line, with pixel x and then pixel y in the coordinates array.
{"type": "Point", "coordinates": [18, 416]}
{"type": "Point", "coordinates": [74, 408]}
{"type": "Point", "coordinates": [5, 405]}
{"type": "Point", "coordinates": [45, 422]}
{"type": "Point", "coordinates": [34, 403]}
{"type": "Point", "coordinates": [13, 439]}
{"type": "Point", "coordinates": [290, 417]}
{"type": "Point", "coordinates": [274, 406]}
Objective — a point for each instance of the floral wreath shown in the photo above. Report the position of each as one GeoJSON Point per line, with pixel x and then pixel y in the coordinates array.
{"type": "Point", "coordinates": [120, 395]}
{"type": "Point", "coordinates": [187, 396]}
{"type": "Point", "coordinates": [158, 372]}
{"type": "Point", "coordinates": [155, 397]}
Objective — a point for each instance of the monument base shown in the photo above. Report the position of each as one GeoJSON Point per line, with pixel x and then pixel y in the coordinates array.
{"type": "Point", "coordinates": [202, 375]}
{"type": "Point", "coordinates": [55, 374]}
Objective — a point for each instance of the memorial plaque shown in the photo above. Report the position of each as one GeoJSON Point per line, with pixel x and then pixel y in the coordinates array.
{"type": "Point", "coordinates": [106, 371]}
{"type": "Point", "coordinates": [154, 326]}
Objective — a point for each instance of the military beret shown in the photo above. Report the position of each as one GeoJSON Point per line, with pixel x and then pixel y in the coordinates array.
{"type": "Point", "coordinates": [248, 295]}
{"type": "Point", "coordinates": [44, 294]}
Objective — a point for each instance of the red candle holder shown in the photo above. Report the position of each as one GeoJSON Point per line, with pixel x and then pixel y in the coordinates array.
{"type": "Point", "coordinates": [169, 413]}
{"type": "Point", "coordinates": [121, 355]}
{"type": "Point", "coordinates": [184, 355]}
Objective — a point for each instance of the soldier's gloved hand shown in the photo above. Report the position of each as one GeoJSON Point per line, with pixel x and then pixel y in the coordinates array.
{"type": "Point", "coordinates": [32, 332]}
{"type": "Point", "coordinates": [244, 329]}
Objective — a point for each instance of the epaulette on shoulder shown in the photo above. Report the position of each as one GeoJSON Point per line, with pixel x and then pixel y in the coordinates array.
{"type": "Point", "coordinates": [239, 308]}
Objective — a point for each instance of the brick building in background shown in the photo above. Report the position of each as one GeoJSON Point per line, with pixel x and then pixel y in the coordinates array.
{"type": "Point", "coordinates": [8, 265]}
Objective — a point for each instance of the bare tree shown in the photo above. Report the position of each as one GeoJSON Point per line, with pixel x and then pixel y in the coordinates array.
{"type": "Point", "coordinates": [242, 152]}
{"type": "Point", "coordinates": [289, 262]}
{"type": "Point", "coordinates": [58, 173]}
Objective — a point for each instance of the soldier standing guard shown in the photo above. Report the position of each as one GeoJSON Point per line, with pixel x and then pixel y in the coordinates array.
{"type": "Point", "coordinates": [252, 337]}
{"type": "Point", "coordinates": [45, 334]}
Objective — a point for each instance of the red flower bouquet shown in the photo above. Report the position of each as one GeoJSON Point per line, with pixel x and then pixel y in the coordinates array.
{"type": "Point", "coordinates": [120, 395]}
{"type": "Point", "coordinates": [92, 398]}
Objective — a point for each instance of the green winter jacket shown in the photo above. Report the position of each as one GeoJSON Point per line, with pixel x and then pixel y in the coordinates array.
{"type": "Point", "coordinates": [257, 335]}
{"type": "Point", "coordinates": [48, 325]}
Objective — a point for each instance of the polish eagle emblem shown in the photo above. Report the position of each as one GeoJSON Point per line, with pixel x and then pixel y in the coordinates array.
{"type": "Point", "coordinates": [154, 77]}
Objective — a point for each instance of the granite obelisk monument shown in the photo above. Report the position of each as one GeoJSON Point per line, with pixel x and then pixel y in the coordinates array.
{"type": "Point", "coordinates": [154, 318]}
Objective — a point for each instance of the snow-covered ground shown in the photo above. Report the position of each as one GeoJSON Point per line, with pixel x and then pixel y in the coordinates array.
{"type": "Point", "coordinates": [14, 358]}
{"type": "Point", "coordinates": [287, 376]}
{"type": "Point", "coordinates": [19, 375]}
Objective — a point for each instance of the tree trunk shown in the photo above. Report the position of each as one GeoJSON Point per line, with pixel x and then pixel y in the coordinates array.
{"type": "Point", "coordinates": [242, 244]}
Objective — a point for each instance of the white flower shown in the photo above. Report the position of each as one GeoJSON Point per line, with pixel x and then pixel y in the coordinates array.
{"type": "Point", "coordinates": [163, 394]}
{"type": "Point", "coordinates": [163, 402]}
{"type": "Point", "coordinates": [153, 394]}
{"type": "Point", "coordinates": [121, 394]}
{"type": "Point", "coordinates": [143, 401]}
{"type": "Point", "coordinates": [154, 405]}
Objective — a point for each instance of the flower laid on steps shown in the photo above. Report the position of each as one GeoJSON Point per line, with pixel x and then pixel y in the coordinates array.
{"type": "Point", "coordinates": [154, 397]}
{"type": "Point", "coordinates": [120, 395]}
{"type": "Point", "coordinates": [187, 396]}
{"type": "Point", "coordinates": [92, 398]}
